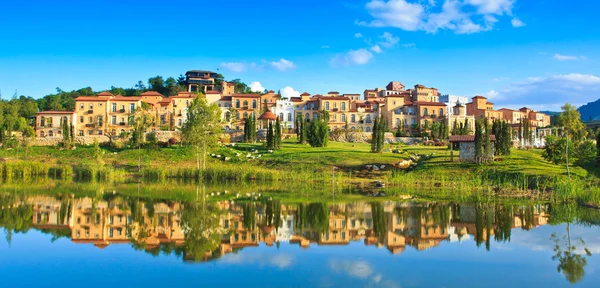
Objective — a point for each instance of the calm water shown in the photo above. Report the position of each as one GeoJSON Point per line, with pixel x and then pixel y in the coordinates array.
{"type": "Point", "coordinates": [129, 242]}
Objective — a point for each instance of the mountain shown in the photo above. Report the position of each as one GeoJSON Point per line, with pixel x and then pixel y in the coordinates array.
{"type": "Point", "coordinates": [551, 113]}
{"type": "Point", "coordinates": [590, 111]}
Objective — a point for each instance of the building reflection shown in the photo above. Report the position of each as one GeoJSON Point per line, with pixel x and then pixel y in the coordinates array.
{"type": "Point", "coordinates": [156, 226]}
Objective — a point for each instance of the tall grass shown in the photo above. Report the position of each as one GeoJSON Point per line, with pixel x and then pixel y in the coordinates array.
{"type": "Point", "coordinates": [90, 172]}
{"type": "Point", "coordinates": [22, 170]}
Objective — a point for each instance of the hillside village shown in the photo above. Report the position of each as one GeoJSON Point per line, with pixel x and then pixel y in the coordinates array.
{"type": "Point", "coordinates": [410, 111]}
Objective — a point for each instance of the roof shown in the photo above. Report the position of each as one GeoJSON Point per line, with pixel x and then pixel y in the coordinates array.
{"type": "Point", "coordinates": [333, 92]}
{"type": "Point", "coordinates": [335, 98]}
{"type": "Point", "coordinates": [92, 98]}
{"type": "Point", "coordinates": [425, 103]}
{"type": "Point", "coordinates": [126, 98]}
{"type": "Point", "coordinates": [151, 93]}
{"type": "Point", "coordinates": [54, 112]}
{"type": "Point", "coordinates": [268, 115]}
{"type": "Point", "coordinates": [105, 93]}
{"type": "Point", "coordinates": [468, 138]}
{"type": "Point", "coordinates": [230, 84]}
{"type": "Point", "coordinates": [295, 99]}
{"type": "Point", "coordinates": [305, 94]}
{"type": "Point", "coordinates": [479, 97]}
{"type": "Point", "coordinates": [212, 92]}
{"type": "Point", "coordinates": [246, 95]}
{"type": "Point", "coordinates": [225, 98]}
{"type": "Point", "coordinates": [199, 71]}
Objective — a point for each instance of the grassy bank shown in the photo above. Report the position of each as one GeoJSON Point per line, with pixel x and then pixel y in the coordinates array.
{"type": "Point", "coordinates": [341, 167]}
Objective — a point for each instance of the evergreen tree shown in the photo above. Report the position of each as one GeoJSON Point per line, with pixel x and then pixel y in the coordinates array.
{"type": "Point", "coordinates": [381, 131]}
{"type": "Point", "coordinates": [399, 131]}
{"type": "Point", "coordinates": [488, 142]}
{"type": "Point", "coordinates": [318, 131]}
{"type": "Point", "coordinates": [506, 138]}
{"type": "Point", "coordinates": [598, 145]}
{"type": "Point", "coordinates": [304, 131]}
{"type": "Point", "coordinates": [270, 137]}
{"type": "Point", "coordinates": [246, 130]}
{"type": "Point", "coordinates": [277, 142]}
{"type": "Point", "coordinates": [478, 141]}
{"type": "Point", "coordinates": [297, 124]}
{"type": "Point", "coordinates": [375, 136]}
{"type": "Point", "coordinates": [466, 128]}
{"type": "Point", "coordinates": [253, 137]}
{"type": "Point", "coordinates": [455, 128]}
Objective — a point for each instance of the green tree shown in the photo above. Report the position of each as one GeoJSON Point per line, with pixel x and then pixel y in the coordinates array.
{"type": "Point", "coordinates": [488, 142]}
{"type": "Point", "coordinates": [270, 137]}
{"type": "Point", "coordinates": [555, 149]}
{"type": "Point", "coordinates": [478, 141]}
{"type": "Point", "coordinates": [277, 135]}
{"type": "Point", "coordinates": [570, 119]}
{"type": "Point", "coordinates": [318, 131]}
{"type": "Point", "coordinates": [201, 128]}
{"type": "Point", "coordinates": [598, 145]}
{"type": "Point", "coordinates": [585, 153]}
{"type": "Point", "coordinates": [375, 136]}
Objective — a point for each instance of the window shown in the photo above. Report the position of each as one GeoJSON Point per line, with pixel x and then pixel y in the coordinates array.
{"type": "Point", "coordinates": [343, 118]}
{"type": "Point", "coordinates": [91, 106]}
{"type": "Point", "coordinates": [42, 134]}
{"type": "Point", "coordinates": [90, 119]}
{"type": "Point", "coordinates": [289, 118]}
{"type": "Point", "coordinates": [245, 115]}
{"type": "Point", "coordinates": [131, 107]}
{"type": "Point", "coordinates": [254, 104]}
{"type": "Point", "coordinates": [425, 112]}
{"type": "Point", "coordinates": [113, 120]}
{"type": "Point", "coordinates": [280, 116]}
{"type": "Point", "coordinates": [114, 107]}
{"type": "Point", "coordinates": [441, 112]}
{"type": "Point", "coordinates": [412, 121]}
{"type": "Point", "coordinates": [368, 129]}
{"type": "Point", "coordinates": [397, 122]}
{"type": "Point", "coordinates": [307, 117]}
{"type": "Point", "coordinates": [334, 104]}
{"type": "Point", "coordinates": [99, 132]}
{"type": "Point", "coordinates": [327, 105]}
{"type": "Point", "coordinates": [343, 106]}
{"type": "Point", "coordinates": [245, 104]}
{"type": "Point", "coordinates": [81, 106]}
{"type": "Point", "coordinates": [81, 133]}
{"type": "Point", "coordinates": [227, 116]}
{"type": "Point", "coordinates": [122, 108]}
{"type": "Point", "coordinates": [353, 118]}
{"type": "Point", "coordinates": [179, 122]}
{"type": "Point", "coordinates": [81, 119]}
{"type": "Point", "coordinates": [315, 116]}
{"type": "Point", "coordinates": [368, 119]}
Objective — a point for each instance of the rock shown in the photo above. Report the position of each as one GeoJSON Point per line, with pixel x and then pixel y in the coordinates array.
{"type": "Point", "coordinates": [375, 168]}
{"type": "Point", "coordinates": [227, 158]}
{"type": "Point", "coordinates": [382, 167]}
{"type": "Point", "coordinates": [369, 166]}
{"type": "Point", "coordinates": [270, 151]}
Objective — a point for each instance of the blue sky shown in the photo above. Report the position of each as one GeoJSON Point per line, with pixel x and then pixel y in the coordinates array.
{"type": "Point", "coordinates": [536, 53]}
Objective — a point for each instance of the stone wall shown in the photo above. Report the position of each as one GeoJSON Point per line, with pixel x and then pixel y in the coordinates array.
{"type": "Point", "coordinates": [164, 136]}
{"type": "Point", "coordinates": [89, 140]}
{"type": "Point", "coordinates": [467, 151]}
{"type": "Point", "coordinates": [46, 141]}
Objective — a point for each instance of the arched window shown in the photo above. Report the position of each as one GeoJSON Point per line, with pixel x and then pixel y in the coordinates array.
{"type": "Point", "coordinates": [289, 117]}
{"type": "Point", "coordinates": [280, 116]}
{"type": "Point", "coordinates": [227, 116]}
{"type": "Point", "coordinates": [343, 106]}
{"type": "Point", "coordinates": [327, 105]}
{"type": "Point", "coordinates": [237, 103]}
{"type": "Point", "coordinates": [368, 129]}
{"type": "Point", "coordinates": [254, 104]}
{"type": "Point", "coordinates": [352, 128]}
{"type": "Point", "coordinates": [425, 112]}
{"type": "Point", "coordinates": [397, 122]}
{"type": "Point", "coordinates": [42, 121]}
{"type": "Point", "coordinates": [122, 132]}
{"type": "Point", "coordinates": [315, 116]}
{"type": "Point", "coordinates": [246, 103]}
{"type": "Point", "coordinates": [245, 115]}
{"type": "Point", "coordinates": [179, 123]}
{"type": "Point", "coordinates": [368, 118]}
{"type": "Point", "coordinates": [42, 134]}
{"type": "Point", "coordinates": [343, 118]}
{"type": "Point", "coordinates": [441, 112]}
{"type": "Point", "coordinates": [353, 118]}
{"type": "Point", "coordinates": [307, 117]}
{"type": "Point", "coordinates": [50, 133]}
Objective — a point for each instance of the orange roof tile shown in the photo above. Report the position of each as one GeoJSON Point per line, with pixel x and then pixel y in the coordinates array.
{"type": "Point", "coordinates": [92, 98]}
{"type": "Point", "coordinates": [151, 93]}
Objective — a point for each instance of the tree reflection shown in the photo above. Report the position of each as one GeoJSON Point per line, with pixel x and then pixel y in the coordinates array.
{"type": "Point", "coordinates": [201, 231]}
{"type": "Point", "coordinates": [570, 263]}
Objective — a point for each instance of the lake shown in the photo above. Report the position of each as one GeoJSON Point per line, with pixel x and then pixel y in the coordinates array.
{"type": "Point", "coordinates": [118, 240]}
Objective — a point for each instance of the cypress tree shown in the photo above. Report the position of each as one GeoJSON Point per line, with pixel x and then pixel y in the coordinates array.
{"type": "Point", "coordinates": [598, 145]}
{"type": "Point", "coordinates": [381, 131]}
{"type": "Point", "coordinates": [253, 137]}
{"type": "Point", "coordinates": [246, 130]}
{"type": "Point", "coordinates": [304, 131]}
{"type": "Point", "coordinates": [466, 128]}
{"type": "Point", "coordinates": [270, 137]}
{"type": "Point", "coordinates": [375, 136]}
{"type": "Point", "coordinates": [478, 141]}
{"type": "Point", "coordinates": [455, 128]}
{"type": "Point", "coordinates": [488, 141]}
{"type": "Point", "coordinates": [507, 135]}
{"type": "Point", "coordinates": [277, 144]}
{"type": "Point", "coordinates": [297, 125]}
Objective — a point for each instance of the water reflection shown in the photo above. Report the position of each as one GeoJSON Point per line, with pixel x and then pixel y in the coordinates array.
{"type": "Point", "coordinates": [204, 231]}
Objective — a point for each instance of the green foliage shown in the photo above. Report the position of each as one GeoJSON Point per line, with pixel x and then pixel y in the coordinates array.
{"type": "Point", "coordinates": [488, 142]}
{"type": "Point", "coordinates": [570, 119]}
{"type": "Point", "coordinates": [318, 131]}
{"type": "Point", "coordinates": [202, 127]}
{"type": "Point", "coordinates": [270, 137]}
{"type": "Point", "coordinates": [556, 148]}
{"type": "Point", "coordinates": [277, 135]}
{"type": "Point", "coordinates": [479, 140]}
{"type": "Point", "coordinates": [585, 153]}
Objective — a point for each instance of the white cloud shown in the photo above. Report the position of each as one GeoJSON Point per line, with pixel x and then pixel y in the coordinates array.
{"type": "Point", "coordinates": [352, 57]}
{"type": "Point", "coordinates": [288, 92]}
{"type": "Point", "coordinates": [376, 49]}
{"type": "Point", "coordinates": [389, 40]}
{"type": "Point", "coordinates": [498, 7]}
{"type": "Point", "coordinates": [256, 87]}
{"type": "Point", "coordinates": [234, 66]}
{"type": "Point", "coordinates": [358, 35]}
{"type": "Point", "coordinates": [463, 17]}
{"type": "Point", "coordinates": [359, 269]}
{"type": "Point", "coordinates": [491, 94]}
{"type": "Point", "coordinates": [283, 65]}
{"type": "Point", "coordinates": [560, 57]}
{"type": "Point", "coordinates": [325, 46]}
{"type": "Point", "coordinates": [548, 92]}
{"type": "Point", "coordinates": [517, 23]}
{"type": "Point", "coordinates": [395, 13]}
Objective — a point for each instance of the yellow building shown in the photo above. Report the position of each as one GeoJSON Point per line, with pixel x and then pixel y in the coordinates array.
{"type": "Point", "coordinates": [48, 124]}
{"type": "Point", "coordinates": [92, 112]}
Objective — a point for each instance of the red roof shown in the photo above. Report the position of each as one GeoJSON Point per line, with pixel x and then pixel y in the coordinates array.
{"type": "Point", "coordinates": [225, 98]}
{"type": "Point", "coordinates": [54, 112]}
{"type": "Point", "coordinates": [305, 94]}
{"type": "Point", "coordinates": [468, 138]}
{"type": "Point", "coordinates": [105, 93]}
{"type": "Point", "coordinates": [295, 99]}
{"type": "Point", "coordinates": [246, 95]}
{"type": "Point", "coordinates": [213, 92]}
{"type": "Point", "coordinates": [268, 115]}
{"type": "Point", "coordinates": [92, 98]}
{"type": "Point", "coordinates": [425, 103]}
{"type": "Point", "coordinates": [126, 98]}
{"type": "Point", "coordinates": [479, 97]}
{"type": "Point", "coordinates": [335, 98]}
{"type": "Point", "coordinates": [151, 93]}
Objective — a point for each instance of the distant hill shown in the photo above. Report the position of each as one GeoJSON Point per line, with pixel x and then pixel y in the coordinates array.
{"type": "Point", "coordinates": [590, 111]}
{"type": "Point", "coordinates": [551, 113]}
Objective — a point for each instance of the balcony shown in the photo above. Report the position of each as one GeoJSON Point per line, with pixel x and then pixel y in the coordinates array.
{"type": "Point", "coordinates": [122, 110]}
{"type": "Point", "coordinates": [89, 111]}
{"type": "Point", "coordinates": [90, 125]}
{"type": "Point", "coordinates": [122, 123]}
